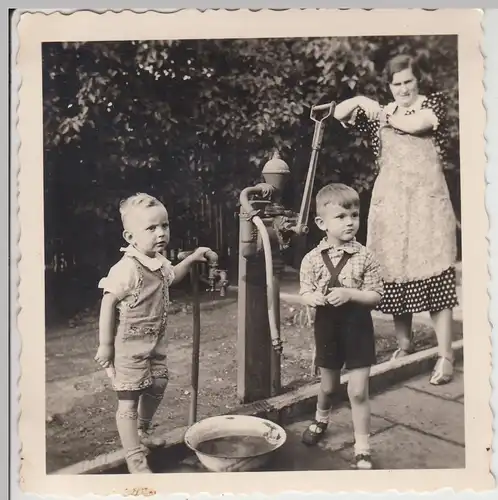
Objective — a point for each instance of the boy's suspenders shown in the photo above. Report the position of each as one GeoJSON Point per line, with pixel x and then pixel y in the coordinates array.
{"type": "Point", "coordinates": [335, 270]}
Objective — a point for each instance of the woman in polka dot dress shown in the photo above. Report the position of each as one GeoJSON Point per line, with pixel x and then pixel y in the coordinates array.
{"type": "Point", "coordinates": [411, 222]}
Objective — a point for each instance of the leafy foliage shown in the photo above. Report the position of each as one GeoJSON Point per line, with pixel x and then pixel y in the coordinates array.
{"type": "Point", "coordinates": [185, 118]}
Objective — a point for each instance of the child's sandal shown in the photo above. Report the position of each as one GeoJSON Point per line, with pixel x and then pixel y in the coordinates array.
{"type": "Point", "coordinates": [362, 461]}
{"type": "Point", "coordinates": [137, 462]}
{"type": "Point", "coordinates": [314, 433]}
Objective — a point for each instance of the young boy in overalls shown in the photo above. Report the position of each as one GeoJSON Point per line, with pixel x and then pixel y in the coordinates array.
{"type": "Point", "coordinates": [133, 318]}
{"type": "Point", "coordinates": [342, 280]}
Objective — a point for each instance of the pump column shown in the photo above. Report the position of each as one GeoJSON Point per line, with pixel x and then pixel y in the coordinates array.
{"type": "Point", "coordinates": [258, 375]}
{"type": "Point", "coordinates": [254, 349]}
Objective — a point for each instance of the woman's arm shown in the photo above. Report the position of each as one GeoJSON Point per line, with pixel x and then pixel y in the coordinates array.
{"type": "Point", "coordinates": [417, 123]}
{"type": "Point", "coordinates": [344, 110]}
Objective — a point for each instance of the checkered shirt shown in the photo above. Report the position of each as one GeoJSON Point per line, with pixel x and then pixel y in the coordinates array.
{"type": "Point", "coordinates": [362, 271]}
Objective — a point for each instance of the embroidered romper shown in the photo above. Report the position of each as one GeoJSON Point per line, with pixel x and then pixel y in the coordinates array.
{"type": "Point", "coordinates": [344, 335]}
{"type": "Point", "coordinates": [140, 340]}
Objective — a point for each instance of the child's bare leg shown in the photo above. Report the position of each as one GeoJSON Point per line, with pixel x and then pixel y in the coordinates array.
{"type": "Point", "coordinates": [147, 407]}
{"type": "Point", "coordinates": [403, 329]}
{"type": "Point", "coordinates": [360, 406]}
{"type": "Point", "coordinates": [443, 371]}
{"type": "Point", "coordinates": [329, 384]}
{"type": "Point", "coordinates": [330, 381]}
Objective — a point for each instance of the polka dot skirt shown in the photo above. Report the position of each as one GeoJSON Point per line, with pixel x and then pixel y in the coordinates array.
{"type": "Point", "coordinates": [432, 294]}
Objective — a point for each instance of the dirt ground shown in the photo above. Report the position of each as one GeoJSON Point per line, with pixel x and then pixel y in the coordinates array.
{"type": "Point", "coordinates": [81, 406]}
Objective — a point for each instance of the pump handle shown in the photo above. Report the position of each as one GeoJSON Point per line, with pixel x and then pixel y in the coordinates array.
{"type": "Point", "coordinates": [329, 107]}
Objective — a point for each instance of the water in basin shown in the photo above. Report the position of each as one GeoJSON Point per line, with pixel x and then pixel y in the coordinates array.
{"type": "Point", "coordinates": [235, 446]}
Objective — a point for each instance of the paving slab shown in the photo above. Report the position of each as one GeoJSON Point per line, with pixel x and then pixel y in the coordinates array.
{"type": "Point", "coordinates": [452, 391]}
{"type": "Point", "coordinates": [402, 448]}
{"type": "Point", "coordinates": [340, 431]}
{"type": "Point", "coordinates": [295, 456]}
{"type": "Point", "coordinates": [423, 412]}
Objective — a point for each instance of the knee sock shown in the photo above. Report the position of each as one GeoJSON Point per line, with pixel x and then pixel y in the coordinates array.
{"type": "Point", "coordinates": [127, 423]}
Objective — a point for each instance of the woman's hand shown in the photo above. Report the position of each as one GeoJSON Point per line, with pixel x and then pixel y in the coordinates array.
{"type": "Point", "coordinates": [383, 118]}
{"type": "Point", "coordinates": [371, 108]}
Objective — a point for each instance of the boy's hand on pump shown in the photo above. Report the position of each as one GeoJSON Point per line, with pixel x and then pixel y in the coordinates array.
{"type": "Point", "coordinates": [338, 297]}
{"type": "Point", "coordinates": [314, 299]}
{"type": "Point", "coordinates": [199, 254]}
{"type": "Point", "coordinates": [105, 355]}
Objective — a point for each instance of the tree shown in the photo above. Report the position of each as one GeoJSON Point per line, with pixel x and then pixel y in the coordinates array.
{"type": "Point", "coordinates": [186, 119]}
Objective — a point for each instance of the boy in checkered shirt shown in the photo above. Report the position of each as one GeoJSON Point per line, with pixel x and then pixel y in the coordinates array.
{"type": "Point", "coordinates": [342, 280]}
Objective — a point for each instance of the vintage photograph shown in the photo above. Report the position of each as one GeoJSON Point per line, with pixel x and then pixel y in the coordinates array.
{"type": "Point", "coordinates": [252, 254]}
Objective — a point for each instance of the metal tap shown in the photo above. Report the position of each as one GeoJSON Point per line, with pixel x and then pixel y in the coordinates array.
{"type": "Point", "coordinates": [220, 275]}
{"type": "Point", "coordinates": [214, 274]}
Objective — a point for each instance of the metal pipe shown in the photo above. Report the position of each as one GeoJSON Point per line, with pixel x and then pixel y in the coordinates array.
{"type": "Point", "coordinates": [276, 364]}
{"type": "Point", "coordinates": [272, 315]}
{"type": "Point", "coordinates": [244, 198]}
{"type": "Point", "coordinates": [212, 257]}
{"type": "Point", "coordinates": [196, 341]}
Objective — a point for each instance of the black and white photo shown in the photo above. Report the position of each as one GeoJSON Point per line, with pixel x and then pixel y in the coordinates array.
{"type": "Point", "coordinates": [253, 248]}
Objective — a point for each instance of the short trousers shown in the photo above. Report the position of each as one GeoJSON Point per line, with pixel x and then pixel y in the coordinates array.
{"type": "Point", "coordinates": [136, 373]}
{"type": "Point", "coordinates": [344, 336]}
{"type": "Point", "coordinates": [134, 395]}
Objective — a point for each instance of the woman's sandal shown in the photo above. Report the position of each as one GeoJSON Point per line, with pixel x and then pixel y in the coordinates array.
{"type": "Point", "coordinates": [401, 353]}
{"type": "Point", "coordinates": [443, 371]}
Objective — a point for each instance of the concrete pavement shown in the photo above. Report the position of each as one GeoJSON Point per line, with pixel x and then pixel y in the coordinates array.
{"type": "Point", "coordinates": [414, 426]}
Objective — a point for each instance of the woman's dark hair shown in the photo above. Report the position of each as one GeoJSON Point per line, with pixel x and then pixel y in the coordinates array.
{"type": "Point", "coordinates": [400, 63]}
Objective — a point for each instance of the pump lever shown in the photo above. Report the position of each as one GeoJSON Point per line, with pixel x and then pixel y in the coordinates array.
{"type": "Point", "coordinates": [302, 221]}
